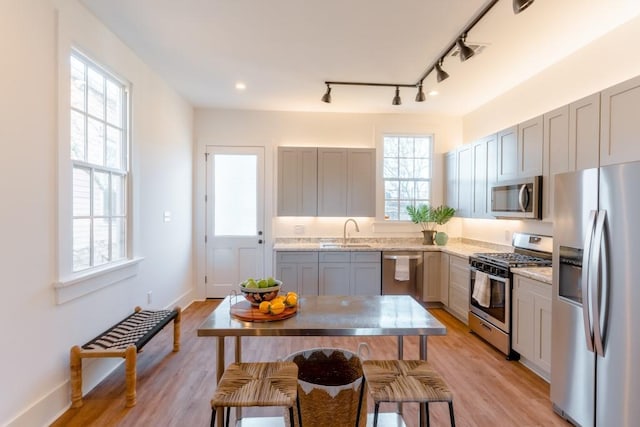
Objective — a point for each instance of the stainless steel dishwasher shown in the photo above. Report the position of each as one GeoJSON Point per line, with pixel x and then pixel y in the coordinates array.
{"type": "Point", "coordinates": [391, 286]}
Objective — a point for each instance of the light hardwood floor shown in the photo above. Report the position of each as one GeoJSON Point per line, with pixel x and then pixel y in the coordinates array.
{"type": "Point", "coordinates": [174, 389]}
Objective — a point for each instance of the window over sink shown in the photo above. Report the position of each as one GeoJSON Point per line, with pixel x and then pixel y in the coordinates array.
{"type": "Point", "coordinates": [407, 169]}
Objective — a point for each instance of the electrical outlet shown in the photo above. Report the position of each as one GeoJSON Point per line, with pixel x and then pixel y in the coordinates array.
{"type": "Point", "coordinates": [298, 230]}
{"type": "Point", "coordinates": [507, 235]}
{"type": "Point", "coordinates": [149, 297]}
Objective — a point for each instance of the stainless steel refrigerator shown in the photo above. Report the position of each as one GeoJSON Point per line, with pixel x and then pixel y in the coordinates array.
{"type": "Point", "coordinates": [595, 353]}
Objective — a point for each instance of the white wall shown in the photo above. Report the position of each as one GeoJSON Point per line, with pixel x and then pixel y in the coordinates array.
{"type": "Point", "coordinates": [599, 65]}
{"type": "Point", "coordinates": [37, 333]}
{"type": "Point", "coordinates": [273, 129]}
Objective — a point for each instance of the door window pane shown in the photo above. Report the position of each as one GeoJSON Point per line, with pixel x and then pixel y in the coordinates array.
{"type": "Point", "coordinates": [235, 204]}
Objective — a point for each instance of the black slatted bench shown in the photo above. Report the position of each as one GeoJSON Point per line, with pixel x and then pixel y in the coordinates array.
{"type": "Point", "coordinates": [124, 339]}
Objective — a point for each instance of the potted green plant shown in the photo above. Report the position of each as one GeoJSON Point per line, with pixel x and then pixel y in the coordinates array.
{"type": "Point", "coordinates": [428, 217]}
{"type": "Point", "coordinates": [442, 214]}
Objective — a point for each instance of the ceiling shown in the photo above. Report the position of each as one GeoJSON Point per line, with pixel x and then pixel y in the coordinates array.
{"type": "Point", "coordinates": [284, 50]}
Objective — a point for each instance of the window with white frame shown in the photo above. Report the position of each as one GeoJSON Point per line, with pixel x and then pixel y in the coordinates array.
{"type": "Point", "coordinates": [99, 158]}
{"type": "Point", "coordinates": [407, 168]}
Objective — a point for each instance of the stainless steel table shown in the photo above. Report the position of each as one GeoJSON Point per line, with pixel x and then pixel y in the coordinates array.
{"type": "Point", "coordinates": [390, 315]}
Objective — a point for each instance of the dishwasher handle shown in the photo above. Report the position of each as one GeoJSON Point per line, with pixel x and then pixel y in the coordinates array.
{"type": "Point", "coordinates": [394, 257]}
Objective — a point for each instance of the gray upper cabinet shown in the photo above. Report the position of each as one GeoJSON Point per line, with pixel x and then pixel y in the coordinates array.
{"type": "Point", "coordinates": [484, 171]}
{"type": "Point", "coordinates": [346, 182]}
{"type": "Point", "coordinates": [507, 154]}
{"type": "Point", "coordinates": [465, 181]}
{"type": "Point", "coordinates": [326, 181]}
{"type": "Point", "coordinates": [297, 181]}
{"type": "Point", "coordinates": [530, 141]}
{"type": "Point", "coordinates": [332, 181]}
{"type": "Point", "coordinates": [620, 124]}
{"type": "Point", "coordinates": [584, 132]}
{"type": "Point", "coordinates": [361, 176]}
{"type": "Point", "coordinates": [557, 155]}
{"type": "Point", "coordinates": [520, 150]}
{"type": "Point", "coordinates": [451, 179]}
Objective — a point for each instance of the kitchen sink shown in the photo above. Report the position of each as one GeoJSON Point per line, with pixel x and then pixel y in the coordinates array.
{"type": "Point", "coordinates": [343, 245]}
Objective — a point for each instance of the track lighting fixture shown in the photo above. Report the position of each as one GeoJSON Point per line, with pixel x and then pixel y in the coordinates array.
{"type": "Point", "coordinates": [465, 53]}
{"type": "Point", "coordinates": [440, 73]}
{"type": "Point", "coordinates": [520, 5]}
{"type": "Point", "coordinates": [420, 97]}
{"type": "Point", "coordinates": [327, 95]}
{"type": "Point", "coordinates": [396, 99]}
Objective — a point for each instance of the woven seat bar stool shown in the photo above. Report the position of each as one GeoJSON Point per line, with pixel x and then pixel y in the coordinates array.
{"type": "Point", "coordinates": [257, 384]}
{"type": "Point", "coordinates": [402, 381]}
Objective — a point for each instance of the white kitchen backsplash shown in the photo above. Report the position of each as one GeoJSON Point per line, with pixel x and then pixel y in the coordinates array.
{"type": "Point", "coordinates": [500, 231]}
{"type": "Point", "coordinates": [304, 227]}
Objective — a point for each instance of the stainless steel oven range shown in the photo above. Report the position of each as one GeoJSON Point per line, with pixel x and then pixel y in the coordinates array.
{"type": "Point", "coordinates": [490, 295]}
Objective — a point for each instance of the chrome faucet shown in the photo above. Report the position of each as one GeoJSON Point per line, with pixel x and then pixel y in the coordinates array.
{"type": "Point", "coordinates": [344, 231]}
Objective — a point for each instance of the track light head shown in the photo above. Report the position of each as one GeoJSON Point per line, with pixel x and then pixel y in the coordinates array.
{"type": "Point", "coordinates": [327, 95]}
{"type": "Point", "coordinates": [420, 97]}
{"type": "Point", "coordinates": [441, 74]}
{"type": "Point", "coordinates": [465, 51]}
{"type": "Point", "coordinates": [520, 5]}
{"type": "Point", "coordinates": [396, 99]}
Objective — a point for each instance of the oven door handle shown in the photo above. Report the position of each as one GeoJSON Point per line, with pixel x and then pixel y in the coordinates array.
{"type": "Point", "coordinates": [491, 276]}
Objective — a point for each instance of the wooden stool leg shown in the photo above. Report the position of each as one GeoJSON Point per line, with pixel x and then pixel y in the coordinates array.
{"type": "Point", "coordinates": [453, 420]}
{"type": "Point", "coordinates": [292, 422]}
{"type": "Point", "coordinates": [375, 414]}
{"type": "Point", "coordinates": [360, 401]}
{"type": "Point", "coordinates": [130, 375]}
{"type": "Point", "coordinates": [176, 330]}
{"type": "Point", "coordinates": [426, 413]}
{"type": "Point", "coordinates": [299, 413]}
{"type": "Point", "coordinates": [75, 366]}
{"type": "Point", "coordinates": [213, 417]}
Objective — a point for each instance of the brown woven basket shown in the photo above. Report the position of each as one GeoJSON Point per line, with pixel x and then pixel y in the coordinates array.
{"type": "Point", "coordinates": [329, 383]}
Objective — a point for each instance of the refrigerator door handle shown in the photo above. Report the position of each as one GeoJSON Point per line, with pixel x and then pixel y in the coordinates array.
{"type": "Point", "coordinates": [586, 268]}
{"type": "Point", "coordinates": [599, 283]}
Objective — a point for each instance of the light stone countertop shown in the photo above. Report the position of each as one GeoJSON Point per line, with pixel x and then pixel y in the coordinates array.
{"type": "Point", "coordinates": [541, 274]}
{"type": "Point", "coordinates": [464, 248]}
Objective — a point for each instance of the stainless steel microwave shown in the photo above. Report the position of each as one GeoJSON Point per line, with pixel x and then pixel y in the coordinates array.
{"type": "Point", "coordinates": [520, 198]}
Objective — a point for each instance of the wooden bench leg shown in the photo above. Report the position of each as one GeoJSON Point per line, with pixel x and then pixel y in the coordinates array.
{"type": "Point", "coordinates": [75, 365]}
{"type": "Point", "coordinates": [176, 330]}
{"type": "Point", "coordinates": [130, 375]}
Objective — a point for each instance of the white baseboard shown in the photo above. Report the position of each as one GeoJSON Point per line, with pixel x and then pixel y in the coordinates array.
{"type": "Point", "coordinates": [45, 410]}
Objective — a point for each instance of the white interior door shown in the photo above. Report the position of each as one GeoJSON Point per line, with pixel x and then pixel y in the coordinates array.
{"type": "Point", "coordinates": [235, 217]}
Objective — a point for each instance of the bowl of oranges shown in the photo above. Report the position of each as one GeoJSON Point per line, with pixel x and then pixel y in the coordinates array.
{"type": "Point", "coordinates": [260, 290]}
{"type": "Point", "coordinates": [279, 304]}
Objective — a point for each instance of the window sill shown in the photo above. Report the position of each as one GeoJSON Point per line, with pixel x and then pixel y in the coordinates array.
{"type": "Point", "coordinates": [84, 283]}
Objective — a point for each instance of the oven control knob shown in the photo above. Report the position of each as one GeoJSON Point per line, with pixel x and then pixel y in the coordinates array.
{"type": "Point", "coordinates": [494, 270]}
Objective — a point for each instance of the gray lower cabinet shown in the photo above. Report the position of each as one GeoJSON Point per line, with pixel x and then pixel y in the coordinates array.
{"type": "Point", "coordinates": [459, 277]}
{"type": "Point", "coordinates": [431, 277]}
{"type": "Point", "coordinates": [444, 279]}
{"type": "Point", "coordinates": [366, 273]}
{"type": "Point", "coordinates": [531, 315]}
{"type": "Point", "coordinates": [298, 272]}
{"type": "Point", "coordinates": [349, 273]}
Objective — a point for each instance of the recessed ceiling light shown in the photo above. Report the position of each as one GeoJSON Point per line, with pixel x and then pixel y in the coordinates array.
{"type": "Point", "coordinates": [433, 93]}
{"type": "Point", "coordinates": [241, 86]}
